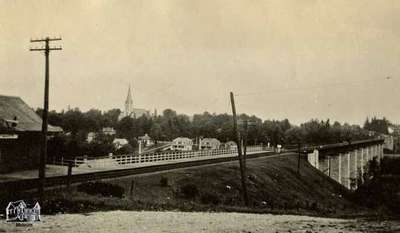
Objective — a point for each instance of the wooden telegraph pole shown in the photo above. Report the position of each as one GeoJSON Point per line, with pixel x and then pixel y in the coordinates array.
{"type": "Point", "coordinates": [245, 126]}
{"type": "Point", "coordinates": [239, 147]}
{"type": "Point", "coordinates": [43, 150]}
{"type": "Point", "coordinates": [298, 158]}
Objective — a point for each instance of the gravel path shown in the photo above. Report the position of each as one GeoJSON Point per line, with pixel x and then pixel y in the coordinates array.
{"type": "Point", "coordinates": [179, 222]}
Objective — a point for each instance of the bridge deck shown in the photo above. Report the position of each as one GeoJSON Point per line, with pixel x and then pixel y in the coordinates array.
{"type": "Point", "coordinates": [58, 170]}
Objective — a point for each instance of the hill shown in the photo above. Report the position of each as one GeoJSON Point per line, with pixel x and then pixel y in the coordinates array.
{"type": "Point", "coordinates": [273, 183]}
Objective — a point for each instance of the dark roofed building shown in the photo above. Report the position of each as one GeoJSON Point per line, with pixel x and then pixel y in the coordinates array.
{"type": "Point", "coordinates": [20, 134]}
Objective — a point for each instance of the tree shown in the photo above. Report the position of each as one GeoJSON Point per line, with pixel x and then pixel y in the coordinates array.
{"type": "Point", "coordinates": [110, 118]}
{"type": "Point", "coordinates": [127, 128]}
{"type": "Point", "coordinates": [272, 131]}
{"type": "Point", "coordinates": [125, 149]}
{"type": "Point", "coordinates": [295, 135]}
{"type": "Point", "coordinates": [377, 125]}
{"type": "Point", "coordinates": [156, 132]}
{"type": "Point", "coordinates": [100, 146]}
{"type": "Point", "coordinates": [73, 121]}
{"type": "Point", "coordinates": [170, 125]}
{"type": "Point", "coordinates": [93, 120]}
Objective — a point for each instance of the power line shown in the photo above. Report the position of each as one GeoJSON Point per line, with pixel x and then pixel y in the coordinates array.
{"type": "Point", "coordinates": [266, 92]}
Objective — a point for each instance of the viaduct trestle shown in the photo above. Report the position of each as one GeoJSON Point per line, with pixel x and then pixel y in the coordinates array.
{"type": "Point", "coordinates": [347, 163]}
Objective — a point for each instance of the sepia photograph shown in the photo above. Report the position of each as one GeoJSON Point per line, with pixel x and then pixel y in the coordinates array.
{"type": "Point", "coordinates": [200, 116]}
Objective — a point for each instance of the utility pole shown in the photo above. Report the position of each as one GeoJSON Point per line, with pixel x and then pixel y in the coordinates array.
{"type": "Point", "coordinates": [298, 160]}
{"type": "Point", "coordinates": [329, 166]}
{"type": "Point", "coordinates": [43, 149]}
{"type": "Point", "coordinates": [241, 163]}
{"type": "Point", "coordinates": [245, 125]}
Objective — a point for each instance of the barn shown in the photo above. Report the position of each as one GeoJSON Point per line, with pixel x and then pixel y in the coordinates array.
{"type": "Point", "coordinates": [20, 134]}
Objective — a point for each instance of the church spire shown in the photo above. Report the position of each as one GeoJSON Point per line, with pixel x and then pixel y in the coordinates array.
{"type": "Point", "coordinates": [129, 103]}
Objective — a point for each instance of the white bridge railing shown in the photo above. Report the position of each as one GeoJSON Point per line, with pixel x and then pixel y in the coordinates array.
{"type": "Point", "coordinates": [115, 161]}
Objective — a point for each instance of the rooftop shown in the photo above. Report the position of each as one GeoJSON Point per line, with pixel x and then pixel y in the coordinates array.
{"type": "Point", "coordinates": [14, 109]}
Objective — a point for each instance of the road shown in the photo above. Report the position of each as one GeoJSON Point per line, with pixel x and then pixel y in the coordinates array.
{"type": "Point", "coordinates": [26, 184]}
{"type": "Point", "coordinates": [182, 222]}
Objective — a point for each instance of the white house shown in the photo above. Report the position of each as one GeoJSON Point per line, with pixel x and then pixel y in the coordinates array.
{"type": "Point", "coordinates": [90, 137]}
{"type": "Point", "coordinates": [230, 145]}
{"type": "Point", "coordinates": [120, 142]}
{"type": "Point", "coordinates": [182, 144]}
{"type": "Point", "coordinates": [209, 144]}
{"type": "Point", "coordinates": [146, 140]}
{"type": "Point", "coordinates": [109, 131]}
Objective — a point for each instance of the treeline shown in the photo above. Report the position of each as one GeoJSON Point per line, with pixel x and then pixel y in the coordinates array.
{"type": "Point", "coordinates": [169, 125]}
{"type": "Point", "coordinates": [377, 125]}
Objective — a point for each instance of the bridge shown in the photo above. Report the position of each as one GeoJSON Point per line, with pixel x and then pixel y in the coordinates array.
{"type": "Point", "coordinates": [347, 163]}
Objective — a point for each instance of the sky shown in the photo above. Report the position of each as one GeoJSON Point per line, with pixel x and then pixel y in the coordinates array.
{"type": "Point", "coordinates": [282, 58]}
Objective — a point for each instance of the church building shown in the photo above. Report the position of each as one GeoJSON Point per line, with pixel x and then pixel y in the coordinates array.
{"type": "Point", "coordinates": [130, 110]}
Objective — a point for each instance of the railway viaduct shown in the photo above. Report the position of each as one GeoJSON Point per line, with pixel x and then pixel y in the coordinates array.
{"type": "Point", "coordinates": [347, 163]}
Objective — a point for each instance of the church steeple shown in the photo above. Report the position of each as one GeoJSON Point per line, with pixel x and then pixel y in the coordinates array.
{"type": "Point", "coordinates": [129, 103]}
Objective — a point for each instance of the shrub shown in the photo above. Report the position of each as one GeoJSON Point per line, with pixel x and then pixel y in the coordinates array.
{"type": "Point", "coordinates": [164, 181]}
{"type": "Point", "coordinates": [210, 198]}
{"type": "Point", "coordinates": [189, 191]}
{"type": "Point", "coordinates": [390, 166]}
{"type": "Point", "coordinates": [103, 189]}
{"type": "Point", "coordinates": [125, 149]}
{"type": "Point", "coordinates": [252, 178]}
{"type": "Point", "coordinates": [314, 206]}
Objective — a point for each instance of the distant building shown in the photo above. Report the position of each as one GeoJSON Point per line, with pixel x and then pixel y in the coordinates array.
{"type": "Point", "coordinates": [230, 145]}
{"type": "Point", "coordinates": [182, 144]}
{"type": "Point", "coordinates": [120, 142]}
{"type": "Point", "coordinates": [20, 135]}
{"type": "Point", "coordinates": [109, 131]}
{"type": "Point", "coordinates": [90, 137]}
{"type": "Point", "coordinates": [130, 111]}
{"type": "Point", "coordinates": [209, 144]}
{"type": "Point", "coordinates": [146, 140]}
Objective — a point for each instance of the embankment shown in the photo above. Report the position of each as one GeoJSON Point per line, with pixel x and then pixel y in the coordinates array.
{"type": "Point", "coordinates": [274, 186]}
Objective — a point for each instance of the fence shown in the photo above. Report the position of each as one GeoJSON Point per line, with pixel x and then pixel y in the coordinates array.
{"type": "Point", "coordinates": [114, 161]}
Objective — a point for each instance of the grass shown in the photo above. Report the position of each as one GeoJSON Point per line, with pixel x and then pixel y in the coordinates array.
{"type": "Point", "coordinates": [272, 181]}
{"type": "Point", "coordinates": [274, 186]}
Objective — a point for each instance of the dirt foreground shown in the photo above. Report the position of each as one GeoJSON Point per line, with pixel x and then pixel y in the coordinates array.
{"type": "Point", "coordinates": [177, 222]}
